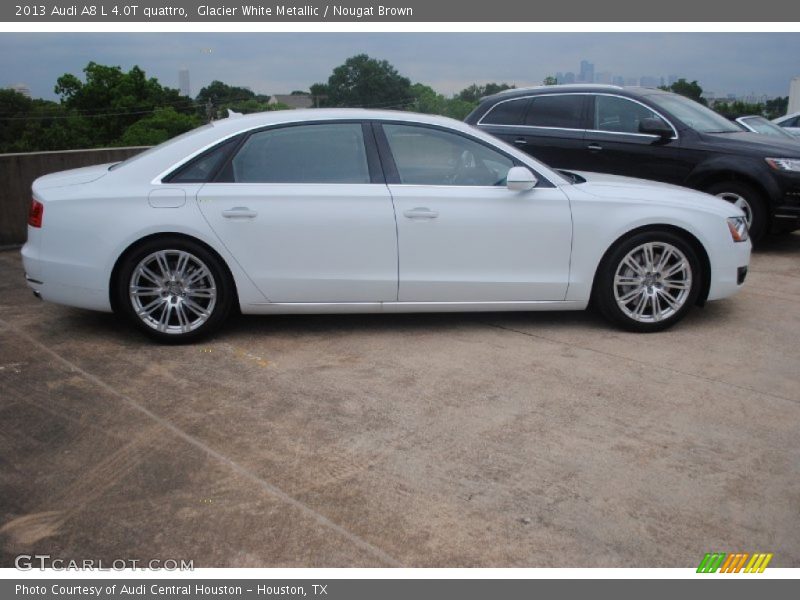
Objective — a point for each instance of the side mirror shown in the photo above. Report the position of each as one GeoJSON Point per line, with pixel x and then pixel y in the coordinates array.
{"type": "Point", "coordinates": [655, 126]}
{"type": "Point", "coordinates": [520, 179]}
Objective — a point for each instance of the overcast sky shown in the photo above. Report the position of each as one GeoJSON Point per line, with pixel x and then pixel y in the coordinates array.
{"type": "Point", "coordinates": [273, 63]}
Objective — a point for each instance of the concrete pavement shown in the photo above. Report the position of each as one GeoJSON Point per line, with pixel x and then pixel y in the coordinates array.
{"type": "Point", "coordinates": [546, 439]}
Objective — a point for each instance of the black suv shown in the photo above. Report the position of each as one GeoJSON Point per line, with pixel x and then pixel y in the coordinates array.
{"type": "Point", "coordinates": [651, 134]}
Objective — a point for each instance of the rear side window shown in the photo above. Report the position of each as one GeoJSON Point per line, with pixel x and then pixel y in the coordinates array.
{"type": "Point", "coordinates": [203, 167]}
{"type": "Point", "coordinates": [563, 111]}
{"type": "Point", "coordinates": [323, 153]}
{"type": "Point", "coordinates": [509, 112]}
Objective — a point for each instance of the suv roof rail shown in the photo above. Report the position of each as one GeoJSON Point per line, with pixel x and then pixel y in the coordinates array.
{"type": "Point", "coordinates": [559, 85]}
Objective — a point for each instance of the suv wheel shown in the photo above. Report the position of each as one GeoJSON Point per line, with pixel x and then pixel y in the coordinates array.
{"type": "Point", "coordinates": [648, 282]}
{"type": "Point", "coordinates": [750, 200]}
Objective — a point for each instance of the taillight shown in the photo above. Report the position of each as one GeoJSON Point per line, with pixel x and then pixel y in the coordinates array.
{"type": "Point", "coordinates": [36, 213]}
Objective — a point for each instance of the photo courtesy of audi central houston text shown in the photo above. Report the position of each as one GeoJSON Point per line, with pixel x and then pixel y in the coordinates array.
{"type": "Point", "coordinates": [400, 300]}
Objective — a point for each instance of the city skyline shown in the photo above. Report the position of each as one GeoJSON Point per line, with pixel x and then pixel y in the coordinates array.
{"type": "Point", "coordinates": [760, 63]}
{"type": "Point", "coordinates": [587, 74]}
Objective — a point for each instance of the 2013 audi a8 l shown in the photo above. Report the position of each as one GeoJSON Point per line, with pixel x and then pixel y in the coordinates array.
{"type": "Point", "coordinates": [347, 210]}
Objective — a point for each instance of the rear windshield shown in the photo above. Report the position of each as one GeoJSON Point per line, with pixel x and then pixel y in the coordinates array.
{"type": "Point", "coordinates": [150, 151]}
{"type": "Point", "coordinates": [694, 114]}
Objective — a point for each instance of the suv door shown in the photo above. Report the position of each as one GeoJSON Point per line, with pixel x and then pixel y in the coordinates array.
{"type": "Point", "coordinates": [615, 145]}
{"type": "Point", "coordinates": [306, 213]}
{"type": "Point", "coordinates": [463, 236]}
{"type": "Point", "coordinates": [549, 127]}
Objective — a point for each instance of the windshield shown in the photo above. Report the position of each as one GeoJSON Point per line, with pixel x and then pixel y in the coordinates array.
{"type": "Point", "coordinates": [149, 151]}
{"type": "Point", "coordinates": [694, 114]}
{"type": "Point", "coordinates": [761, 125]}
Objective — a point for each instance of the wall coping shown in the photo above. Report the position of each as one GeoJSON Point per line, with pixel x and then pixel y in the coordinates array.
{"type": "Point", "coordinates": [45, 152]}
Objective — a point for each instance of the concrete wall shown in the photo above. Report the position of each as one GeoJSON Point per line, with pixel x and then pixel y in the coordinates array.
{"type": "Point", "coordinates": [17, 172]}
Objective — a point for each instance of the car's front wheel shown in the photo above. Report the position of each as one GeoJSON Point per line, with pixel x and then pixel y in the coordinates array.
{"type": "Point", "coordinates": [649, 281]}
{"type": "Point", "coordinates": [174, 290]}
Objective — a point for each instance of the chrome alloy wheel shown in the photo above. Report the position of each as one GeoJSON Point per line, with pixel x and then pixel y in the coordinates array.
{"type": "Point", "coordinates": [652, 282]}
{"type": "Point", "coordinates": [740, 202]}
{"type": "Point", "coordinates": [172, 291]}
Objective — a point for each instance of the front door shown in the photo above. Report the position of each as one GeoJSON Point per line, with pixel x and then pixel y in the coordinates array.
{"type": "Point", "coordinates": [615, 145]}
{"type": "Point", "coordinates": [462, 235]}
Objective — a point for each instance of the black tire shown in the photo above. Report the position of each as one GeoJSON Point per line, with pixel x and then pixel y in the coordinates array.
{"type": "Point", "coordinates": [608, 297]}
{"type": "Point", "coordinates": [175, 296]}
{"type": "Point", "coordinates": [756, 204]}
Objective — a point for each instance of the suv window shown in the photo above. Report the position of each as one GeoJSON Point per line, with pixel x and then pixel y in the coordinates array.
{"type": "Point", "coordinates": [509, 112]}
{"type": "Point", "coordinates": [612, 113]}
{"type": "Point", "coordinates": [426, 156]}
{"type": "Point", "coordinates": [324, 153]}
{"type": "Point", "coordinates": [791, 122]}
{"type": "Point", "coordinates": [556, 110]}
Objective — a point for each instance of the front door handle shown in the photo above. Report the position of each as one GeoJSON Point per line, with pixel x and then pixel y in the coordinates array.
{"type": "Point", "coordinates": [594, 147]}
{"type": "Point", "coordinates": [420, 212]}
{"type": "Point", "coordinates": [521, 141]}
{"type": "Point", "coordinates": [239, 212]}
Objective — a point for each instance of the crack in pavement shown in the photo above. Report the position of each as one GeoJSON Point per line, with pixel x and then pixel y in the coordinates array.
{"type": "Point", "coordinates": [199, 444]}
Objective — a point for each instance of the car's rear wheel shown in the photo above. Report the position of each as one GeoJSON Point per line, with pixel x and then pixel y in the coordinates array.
{"type": "Point", "coordinates": [649, 281]}
{"type": "Point", "coordinates": [750, 200]}
{"type": "Point", "coordinates": [173, 289]}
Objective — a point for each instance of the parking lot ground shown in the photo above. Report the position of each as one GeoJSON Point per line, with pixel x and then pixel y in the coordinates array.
{"type": "Point", "coordinates": [520, 440]}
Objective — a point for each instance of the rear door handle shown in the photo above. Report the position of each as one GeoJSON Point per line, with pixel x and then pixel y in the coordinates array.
{"type": "Point", "coordinates": [239, 212]}
{"type": "Point", "coordinates": [594, 147]}
{"type": "Point", "coordinates": [420, 212]}
{"type": "Point", "coordinates": [521, 142]}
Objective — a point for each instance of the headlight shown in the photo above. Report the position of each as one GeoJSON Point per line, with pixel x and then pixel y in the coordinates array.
{"type": "Point", "coordinates": [738, 227]}
{"type": "Point", "coordinates": [784, 164]}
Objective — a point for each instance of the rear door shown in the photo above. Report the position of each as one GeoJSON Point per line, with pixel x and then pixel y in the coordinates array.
{"type": "Point", "coordinates": [549, 127]}
{"type": "Point", "coordinates": [305, 211]}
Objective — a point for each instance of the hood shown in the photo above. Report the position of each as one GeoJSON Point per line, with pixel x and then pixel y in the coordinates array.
{"type": "Point", "coordinates": [616, 187]}
{"type": "Point", "coordinates": [765, 146]}
{"type": "Point", "coordinates": [71, 177]}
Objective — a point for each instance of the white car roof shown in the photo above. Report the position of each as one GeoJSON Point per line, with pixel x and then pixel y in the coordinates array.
{"type": "Point", "coordinates": [160, 160]}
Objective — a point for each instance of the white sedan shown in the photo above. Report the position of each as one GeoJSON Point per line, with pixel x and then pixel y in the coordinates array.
{"type": "Point", "coordinates": [790, 123]}
{"type": "Point", "coordinates": [349, 210]}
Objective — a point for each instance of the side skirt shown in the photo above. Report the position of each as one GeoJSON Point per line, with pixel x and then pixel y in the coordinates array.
{"type": "Point", "coordinates": [283, 308]}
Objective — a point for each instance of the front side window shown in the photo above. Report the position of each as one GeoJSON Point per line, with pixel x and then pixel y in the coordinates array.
{"type": "Point", "coordinates": [509, 112]}
{"type": "Point", "coordinates": [612, 113]}
{"type": "Point", "coordinates": [562, 111]}
{"type": "Point", "coordinates": [319, 153]}
{"type": "Point", "coordinates": [426, 156]}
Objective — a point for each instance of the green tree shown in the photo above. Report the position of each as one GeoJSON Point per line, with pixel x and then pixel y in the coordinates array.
{"type": "Point", "coordinates": [475, 92]}
{"type": "Point", "coordinates": [115, 100]}
{"type": "Point", "coordinates": [365, 82]}
{"type": "Point", "coordinates": [427, 100]}
{"type": "Point", "coordinates": [690, 89]}
{"type": "Point", "coordinates": [29, 125]}
{"type": "Point", "coordinates": [550, 80]}
{"type": "Point", "coordinates": [736, 109]}
{"type": "Point", "coordinates": [220, 96]}
{"type": "Point", "coordinates": [162, 125]}
{"type": "Point", "coordinates": [776, 107]}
